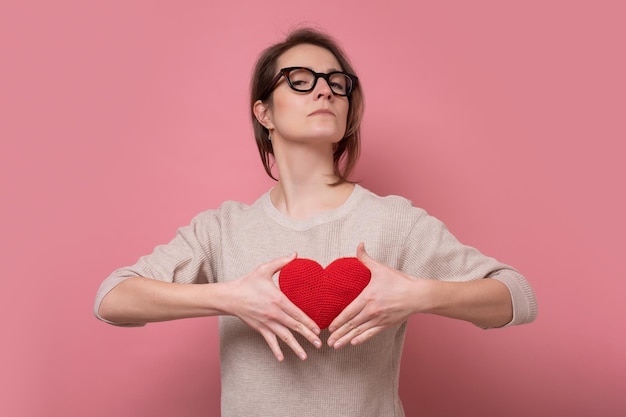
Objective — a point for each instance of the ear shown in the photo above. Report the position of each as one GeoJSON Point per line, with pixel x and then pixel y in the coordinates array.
{"type": "Point", "coordinates": [263, 114]}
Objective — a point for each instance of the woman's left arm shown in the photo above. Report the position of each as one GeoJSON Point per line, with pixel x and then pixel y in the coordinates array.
{"type": "Point", "coordinates": [392, 297]}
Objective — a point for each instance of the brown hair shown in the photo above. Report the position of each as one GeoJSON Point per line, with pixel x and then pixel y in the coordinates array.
{"type": "Point", "coordinates": [346, 153]}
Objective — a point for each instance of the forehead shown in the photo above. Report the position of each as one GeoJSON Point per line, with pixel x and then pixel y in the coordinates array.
{"type": "Point", "coordinates": [310, 56]}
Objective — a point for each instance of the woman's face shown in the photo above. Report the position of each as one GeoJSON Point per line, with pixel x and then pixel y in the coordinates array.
{"type": "Point", "coordinates": [318, 116]}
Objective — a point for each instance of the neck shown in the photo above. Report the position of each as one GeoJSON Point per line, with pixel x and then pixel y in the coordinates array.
{"type": "Point", "coordinates": [303, 188]}
{"type": "Point", "coordinates": [301, 201]}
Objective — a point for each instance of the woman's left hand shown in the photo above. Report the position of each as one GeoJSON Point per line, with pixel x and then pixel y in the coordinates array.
{"type": "Point", "coordinates": [389, 299]}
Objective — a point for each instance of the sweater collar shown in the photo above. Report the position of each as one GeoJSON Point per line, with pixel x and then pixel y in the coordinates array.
{"type": "Point", "coordinates": [318, 219]}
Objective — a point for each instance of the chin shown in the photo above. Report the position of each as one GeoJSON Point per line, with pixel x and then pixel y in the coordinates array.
{"type": "Point", "coordinates": [318, 136]}
{"type": "Point", "coordinates": [330, 136]}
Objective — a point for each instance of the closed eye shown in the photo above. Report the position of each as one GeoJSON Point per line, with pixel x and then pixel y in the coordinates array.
{"type": "Point", "coordinates": [337, 86]}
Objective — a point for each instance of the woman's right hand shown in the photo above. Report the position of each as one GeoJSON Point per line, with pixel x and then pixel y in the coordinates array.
{"type": "Point", "coordinates": [261, 305]}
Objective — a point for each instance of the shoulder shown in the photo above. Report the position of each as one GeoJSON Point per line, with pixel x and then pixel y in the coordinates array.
{"type": "Point", "coordinates": [396, 206]}
{"type": "Point", "coordinates": [228, 211]}
{"type": "Point", "coordinates": [392, 215]}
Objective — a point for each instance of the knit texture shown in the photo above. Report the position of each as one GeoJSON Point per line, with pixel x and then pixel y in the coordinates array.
{"type": "Point", "coordinates": [225, 244]}
{"type": "Point", "coordinates": [323, 293]}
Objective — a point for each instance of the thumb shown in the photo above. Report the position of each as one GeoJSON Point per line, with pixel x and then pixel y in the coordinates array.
{"type": "Point", "coordinates": [362, 255]}
{"type": "Point", "coordinates": [278, 263]}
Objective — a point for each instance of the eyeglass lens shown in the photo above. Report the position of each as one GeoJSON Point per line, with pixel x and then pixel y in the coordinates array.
{"type": "Point", "coordinates": [304, 80]}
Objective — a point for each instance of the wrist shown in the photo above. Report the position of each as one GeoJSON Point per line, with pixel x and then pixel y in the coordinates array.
{"type": "Point", "coordinates": [429, 295]}
{"type": "Point", "coordinates": [216, 298]}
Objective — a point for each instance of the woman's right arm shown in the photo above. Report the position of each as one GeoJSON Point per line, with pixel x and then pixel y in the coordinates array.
{"type": "Point", "coordinates": [126, 298]}
{"type": "Point", "coordinates": [139, 300]}
{"type": "Point", "coordinates": [255, 299]}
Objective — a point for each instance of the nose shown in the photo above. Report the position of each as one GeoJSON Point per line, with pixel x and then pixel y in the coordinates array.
{"type": "Point", "coordinates": [322, 89]}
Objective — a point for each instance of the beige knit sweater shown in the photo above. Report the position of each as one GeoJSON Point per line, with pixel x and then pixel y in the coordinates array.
{"type": "Point", "coordinates": [355, 381]}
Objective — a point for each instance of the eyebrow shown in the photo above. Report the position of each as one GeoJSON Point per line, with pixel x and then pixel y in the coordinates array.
{"type": "Point", "coordinates": [331, 69]}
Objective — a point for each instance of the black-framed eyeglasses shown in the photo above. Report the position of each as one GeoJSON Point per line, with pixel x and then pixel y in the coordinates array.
{"type": "Point", "coordinates": [304, 80]}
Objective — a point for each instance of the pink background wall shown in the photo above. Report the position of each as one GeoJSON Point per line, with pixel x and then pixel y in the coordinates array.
{"type": "Point", "coordinates": [121, 120]}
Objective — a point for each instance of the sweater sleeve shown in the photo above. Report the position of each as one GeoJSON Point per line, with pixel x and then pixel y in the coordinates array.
{"type": "Point", "coordinates": [431, 251]}
{"type": "Point", "coordinates": [189, 258]}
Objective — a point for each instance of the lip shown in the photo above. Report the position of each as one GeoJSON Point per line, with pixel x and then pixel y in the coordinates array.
{"type": "Point", "coordinates": [322, 112]}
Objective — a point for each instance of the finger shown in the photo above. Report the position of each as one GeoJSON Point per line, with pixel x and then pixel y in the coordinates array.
{"type": "Point", "coordinates": [277, 264]}
{"type": "Point", "coordinates": [365, 258]}
{"type": "Point", "coordinates": [362, 255]}
{"type": "Point", "coordinates": [279, 331]}
{"type": "Point", "coordinates": [287, 337]}
{"type": "Point", "coordinates": [356, 331]}
{"type": "Point", "coordinates": [347, 321]}
{"type": "Point", "coordinates": [365, 335]}
{"type": "Point", "coordinates": [270, 339]}
{"type": "Point", "coordinates": [348, 314]}
{"type": "Point", "coordinates": [299, 322]}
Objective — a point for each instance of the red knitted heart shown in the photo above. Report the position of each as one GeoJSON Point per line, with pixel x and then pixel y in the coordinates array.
{"type": "Point", "coordinates": [323, 293]}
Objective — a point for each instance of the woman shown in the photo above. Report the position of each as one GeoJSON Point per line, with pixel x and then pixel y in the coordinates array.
{"type": "Point", "coordinates": [306, 111]}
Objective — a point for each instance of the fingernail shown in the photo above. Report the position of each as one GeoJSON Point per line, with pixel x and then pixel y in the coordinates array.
{"type": "Point", "coordinates": [316, 331]}
{"type": "Point", "coordinates": [331, 342]}
{"type": "Point", "coordinates": [337, 345]}
{"type": "Point", "coordinates": [317, 344]}
{"type": "Point", "coordinates": [302, 356]}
